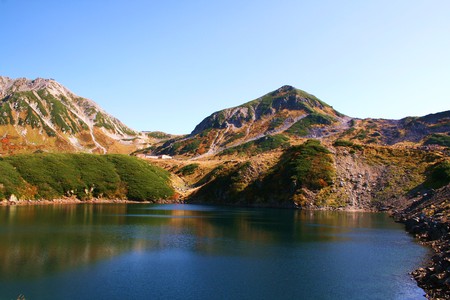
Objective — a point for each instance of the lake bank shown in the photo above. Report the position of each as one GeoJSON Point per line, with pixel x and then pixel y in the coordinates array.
{"type": "Point", "coordinates": [428, 220]}
{"type": "Point", "coordinates": [78, 201]}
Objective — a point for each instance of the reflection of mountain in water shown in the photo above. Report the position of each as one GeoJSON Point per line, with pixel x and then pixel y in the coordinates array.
{"type": "Point", "coordinates": [41, 240]}
{"type": "Point", "coordinates": [38, 240]}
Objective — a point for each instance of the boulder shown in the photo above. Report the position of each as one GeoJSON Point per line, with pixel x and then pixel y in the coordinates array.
{"type": "Point", "coordinates": [13, 198]}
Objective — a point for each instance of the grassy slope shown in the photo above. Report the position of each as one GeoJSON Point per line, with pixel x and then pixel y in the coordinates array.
{"type": "Point", "coordinates": [50, 176]}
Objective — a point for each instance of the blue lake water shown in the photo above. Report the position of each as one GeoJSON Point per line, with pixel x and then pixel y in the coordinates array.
{"type": "Point", "coordinates": [119, 251]}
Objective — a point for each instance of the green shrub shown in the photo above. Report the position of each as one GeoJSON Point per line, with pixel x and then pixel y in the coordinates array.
{"type": "Point", "coordinates": [302, 127]}
{"type": "Point", "coordinates": [224, 184]}
{"type": "Point", "coordinates": [312, 165]}
{"type": "Point", "coordinates": [438, 139]}
{"type": "Point", "coordinates": [158, 135]}
{"type": "Point", "coordinates": [188, 169]}
{"type": "Point", "coordinates": [264, 144]}
{"type": "Point", "coordinates": [271, 142]}
{"type": "Point", "coordinates": [275, 123]}
{"type": "Point", "coordinates": [10, 181]}
{"type": "Point", "coordinates": [142, 181]}
{"type": "Point", "coordinates": [235, 136]}
{"type": "Point", "coordinates": [439, 175]}
{"type": "Point", "coordinates": [99, 174]}
{"type": "Point", "coordinates": [101, 121]}
{"type": "Point", "coordinates": [35, 171]}
{"type": "Point", "coordinates": [346, 143]}
{"type": "Point", "coordinates": [6, 116]}
{"type": "Point", "coordinates": [191, 147]}
{"type": "Point", "coordinates": [342, 143]}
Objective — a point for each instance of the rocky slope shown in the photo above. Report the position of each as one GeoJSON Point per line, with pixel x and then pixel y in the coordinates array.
{"type": "Point", "coordinates": [426, 214]}
{"type": "Point", "coordinates": [42, 114]}
{"type": "Point", "coordinates": [428, 130]}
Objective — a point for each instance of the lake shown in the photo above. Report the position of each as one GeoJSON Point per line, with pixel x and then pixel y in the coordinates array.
{"type": "Point", "coordinates": [146, 251]}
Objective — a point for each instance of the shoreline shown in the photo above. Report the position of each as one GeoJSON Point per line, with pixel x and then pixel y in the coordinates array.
{"type": "Point", "coordinates": [428, 219]}
{"type": "Point", "coordinates": [70, 201]}
{"type": "Point", "coordinates": [434, 276]}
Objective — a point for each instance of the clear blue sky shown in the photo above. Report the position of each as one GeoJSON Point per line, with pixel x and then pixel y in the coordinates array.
{"type": "Point", "coordinates": [165, 65]}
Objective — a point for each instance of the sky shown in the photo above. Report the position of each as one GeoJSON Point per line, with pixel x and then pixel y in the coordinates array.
{"type": "Point", "coordinates": [166, 65]}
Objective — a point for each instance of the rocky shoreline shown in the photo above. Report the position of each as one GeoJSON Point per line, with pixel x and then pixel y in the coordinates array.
{"type": "Point", "coordinates": [428, 219]}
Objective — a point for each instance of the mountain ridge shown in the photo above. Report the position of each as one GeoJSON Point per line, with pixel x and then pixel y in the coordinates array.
{"type": "Point", "coordinates": [297, 114]}
{"type": "Point", "coordinates": [43, 114]}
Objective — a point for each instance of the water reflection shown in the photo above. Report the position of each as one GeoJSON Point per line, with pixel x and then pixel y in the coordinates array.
{"type": "Point", "coordinates": [39, 240]}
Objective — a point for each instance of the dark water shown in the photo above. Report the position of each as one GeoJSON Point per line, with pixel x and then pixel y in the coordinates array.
{"type": "Point", "coordinates": [202, 252]}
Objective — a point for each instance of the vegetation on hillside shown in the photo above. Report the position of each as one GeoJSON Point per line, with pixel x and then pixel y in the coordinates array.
{"type": "Point", "coordinates": [263, 144]}
{"type": "Point", "coordinates": [312, 165]}
{"type": "Point", "coordinates": [346, 143]}
{"type": "Point", "coordinates": [224, 185]}
{"type": "Point", "coordinates": [188, 169]}
{"type": "Point", "coordinates": [438, 139]}
{"type": "Point", "coordinates": [184, 146]}
{"type": "Point", "coordinates": [307, 166]}
{"type": "Point", "coordinates": [303, 126]}
{"type": "Point", "coordinates": [158, 135]}
{"type": "Point", "coordinates": [50, 176]}
{"type": "Point", "coordinates": [438, 174]}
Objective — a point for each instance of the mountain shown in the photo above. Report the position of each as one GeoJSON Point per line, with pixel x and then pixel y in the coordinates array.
{"type": "Point", "coordinates": [42, 114]}
{"type": "Point", "coordinates": [286, 110]}
{"type": "Point", "coordinates": [290, 149]}
{"type": "Point", "coordinates": [288, 115]}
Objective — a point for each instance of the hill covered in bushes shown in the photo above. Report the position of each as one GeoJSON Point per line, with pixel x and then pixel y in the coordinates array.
{"type": "Point", "coordinates": [84, 176]}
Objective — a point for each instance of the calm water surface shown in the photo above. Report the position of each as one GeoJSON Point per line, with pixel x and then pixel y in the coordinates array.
{"type": "Point", "coordinates": [203, 252]}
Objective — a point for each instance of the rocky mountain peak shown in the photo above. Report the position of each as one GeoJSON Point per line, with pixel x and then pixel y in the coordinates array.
{"type": "Point", "coordinates": [286, 110]}
{"type": "Point", "coordinates": [9, 85]}
{"type": "Point", "coordinates": [284, 89]}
